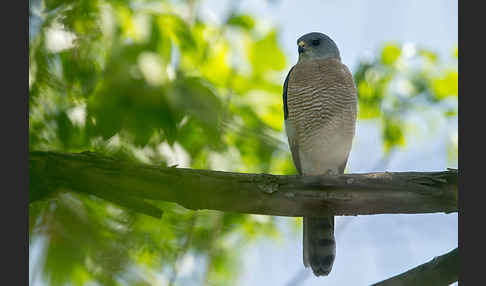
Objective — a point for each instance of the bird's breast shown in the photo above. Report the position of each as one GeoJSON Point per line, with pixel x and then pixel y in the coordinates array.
{"type": "Point", "coordinates": [321, 100]}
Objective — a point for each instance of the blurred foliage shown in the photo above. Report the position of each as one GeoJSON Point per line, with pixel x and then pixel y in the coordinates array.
{"type": "Point", "coordinates": [151, 81]}
{"type": "Point", "coordinates": [402, 81]}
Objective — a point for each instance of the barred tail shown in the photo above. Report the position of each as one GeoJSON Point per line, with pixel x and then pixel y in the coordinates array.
{"type": "Point", "coordinates": [319, 244]}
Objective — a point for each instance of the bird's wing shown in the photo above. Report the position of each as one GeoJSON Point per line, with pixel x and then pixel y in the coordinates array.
{"type": "Point", "coordinates": [290, 128]}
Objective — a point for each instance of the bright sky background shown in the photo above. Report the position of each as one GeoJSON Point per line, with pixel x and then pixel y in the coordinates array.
{"type": "Point", "coordinates": [369, 248]}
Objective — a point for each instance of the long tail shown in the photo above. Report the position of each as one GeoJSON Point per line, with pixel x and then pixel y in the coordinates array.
{"type": "Point", "coordinates": [319, 244]}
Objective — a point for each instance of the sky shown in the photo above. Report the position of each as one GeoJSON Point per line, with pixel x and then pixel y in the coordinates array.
{"type": "Point", "coordinates": [375, 247]}
{"type": "Point", "coordinates": [358, 27]}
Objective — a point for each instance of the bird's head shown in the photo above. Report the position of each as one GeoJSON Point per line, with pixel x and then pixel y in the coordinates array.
{"type": "Point", "coordinates": [317, 46]}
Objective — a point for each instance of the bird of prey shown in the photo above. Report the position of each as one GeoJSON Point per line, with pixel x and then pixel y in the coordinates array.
{"type": "Point", "coordinates": [320, 106]}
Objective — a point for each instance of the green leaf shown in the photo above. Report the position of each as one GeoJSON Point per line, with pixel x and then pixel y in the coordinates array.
{"type": "Point", "coordinates": [132, 106]}
{"type": "Point", "coordinates": [64, 126]}
{"type": "Point", "coordinates": [265, 54]}
{"type": "Point", "coordinates": [193, 97]}
{"type": "Point", "coordinates": [446, 85]}
{"type": "Point", "coordinates": [243, 21]}
{"type": "Point", "coordinates": [216, 68]}
{"type": "Point", "coordinates": [390, 54]}
{"type": "Point", "coordinates": [430, 56]}
{"type": "Point", "coordinates": [178, 31]}
{"type": "Point", "coordinates": [392, 133]}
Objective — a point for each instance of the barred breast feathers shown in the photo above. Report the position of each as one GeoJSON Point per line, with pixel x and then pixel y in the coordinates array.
{"type": "Point", "coordinates": [320, 93]}
{"type": "Point", "coordinates": [321, 103]}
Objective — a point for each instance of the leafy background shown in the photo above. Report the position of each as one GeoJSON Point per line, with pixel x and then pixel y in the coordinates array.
{"type": "Point", "coordinates": [161, 83]}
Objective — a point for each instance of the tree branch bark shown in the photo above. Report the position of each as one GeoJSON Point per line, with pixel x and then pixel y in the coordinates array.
{"type": "Point", "coordinates": [133, 184]}
{"type": "Point", "coordinates": [440, 271]}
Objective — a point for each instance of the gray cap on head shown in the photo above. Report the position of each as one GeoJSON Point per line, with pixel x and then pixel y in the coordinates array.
{"type": "Point", "coordinates": [317, 45]}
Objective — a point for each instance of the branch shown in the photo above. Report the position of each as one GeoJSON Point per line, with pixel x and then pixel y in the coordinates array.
{"type": "Point", "coordinates": [442, 270]}
{"type": "Point", "coordinates": [131, 184]}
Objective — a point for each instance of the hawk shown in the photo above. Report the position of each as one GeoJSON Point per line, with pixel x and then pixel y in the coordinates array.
{"type": "Point", "coordinates": [320, 106]}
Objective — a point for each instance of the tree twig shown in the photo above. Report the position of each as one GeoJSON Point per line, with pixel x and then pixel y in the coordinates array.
{"type": "Point", "coordinates": [440, 271]}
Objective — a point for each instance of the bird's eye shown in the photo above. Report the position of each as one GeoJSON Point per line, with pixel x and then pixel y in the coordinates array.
{"type": "Point", "coordinates": [316, 42]}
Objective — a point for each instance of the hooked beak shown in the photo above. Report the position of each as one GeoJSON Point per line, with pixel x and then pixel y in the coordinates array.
{"type": "Point", "coordinates": [301, 45]}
